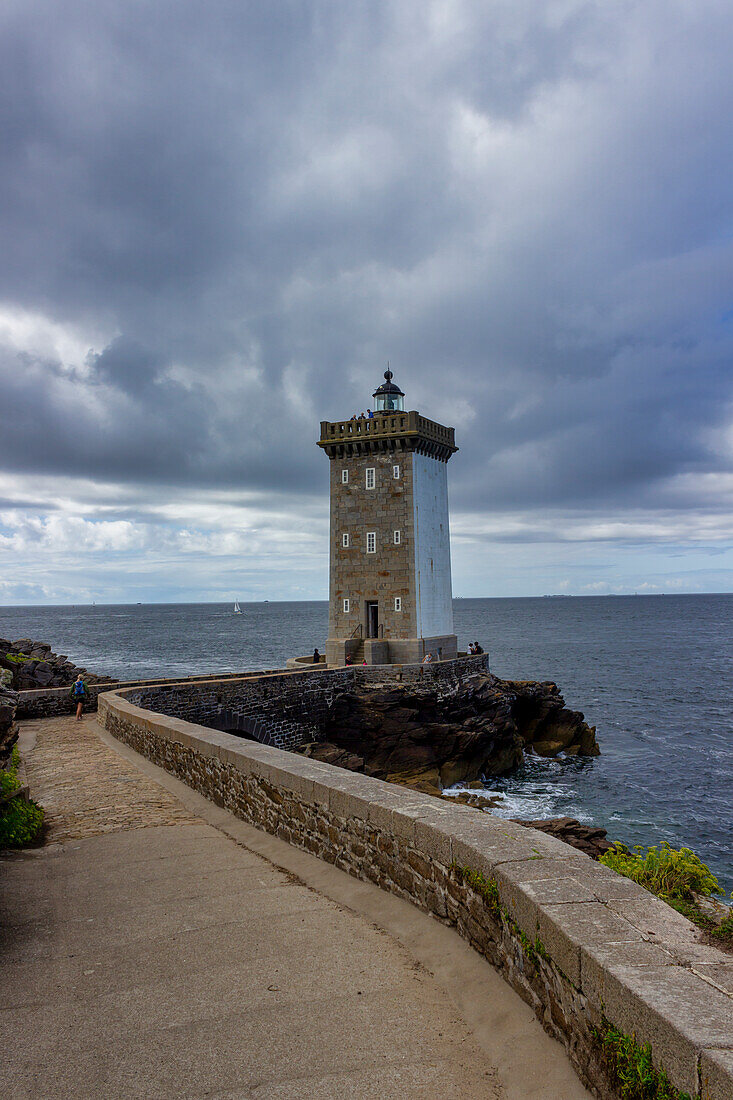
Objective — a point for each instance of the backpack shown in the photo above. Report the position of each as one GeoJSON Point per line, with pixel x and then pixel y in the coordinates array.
{"type": "Point", "coordinates": [79, 690]}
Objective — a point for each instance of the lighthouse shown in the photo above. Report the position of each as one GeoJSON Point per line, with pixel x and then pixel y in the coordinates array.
{"type": "Point", "coordinates": [390, 597]}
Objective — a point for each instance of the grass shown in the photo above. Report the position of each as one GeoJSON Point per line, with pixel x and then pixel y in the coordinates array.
{"type": "Point", "coordinates": [20, 821]}
{"type": "Point", "coordinates": [630, 1068]}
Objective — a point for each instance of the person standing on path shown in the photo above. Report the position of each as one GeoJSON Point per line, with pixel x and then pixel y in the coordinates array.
{"type": "Point", "coordinates": [79, 694]}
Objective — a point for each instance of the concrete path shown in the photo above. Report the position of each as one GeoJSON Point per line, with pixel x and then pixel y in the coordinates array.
{"type": "Point", "coordinates": [158, 947]}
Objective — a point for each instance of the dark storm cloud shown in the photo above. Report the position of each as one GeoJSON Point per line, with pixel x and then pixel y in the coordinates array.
{"type": "Point", "coordinates": [525, 206]}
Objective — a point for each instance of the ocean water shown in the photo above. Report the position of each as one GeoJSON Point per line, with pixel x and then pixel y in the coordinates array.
{"type": "Point", "coordinates": [653, 673]}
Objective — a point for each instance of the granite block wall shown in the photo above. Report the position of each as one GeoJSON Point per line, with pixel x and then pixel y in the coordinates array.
{"type": "Point", "coordinates": [582, 946]}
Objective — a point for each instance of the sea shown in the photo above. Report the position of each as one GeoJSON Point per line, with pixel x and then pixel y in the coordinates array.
{"type": "Point", "coordinates": [654, 674]}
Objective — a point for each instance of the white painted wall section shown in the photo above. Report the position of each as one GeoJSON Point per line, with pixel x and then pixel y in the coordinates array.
{"type": "Point", "coordinates": [433, 590]}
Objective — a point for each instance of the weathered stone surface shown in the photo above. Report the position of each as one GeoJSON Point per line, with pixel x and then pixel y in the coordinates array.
{"type": "Point", "coordinates": [584, 961]}
{"type": "Point", "coordinates": [423, 737]}
{"type": "Point", "coordinates": [716, 1074]}
{"type": "Point", "coordinates": [586, 838]}
{"type": "Point", "coordinates": [674, 1011]}
{"type": "Point", "coordinates": [34, 665]}
{"type": "Point", "coordinates": [8, 728]}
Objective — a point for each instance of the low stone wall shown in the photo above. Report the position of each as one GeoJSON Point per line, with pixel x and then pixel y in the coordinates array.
{"type": "Point", "coordinates": [284, 709]}
{"type": "Point", "coordinates": [581, 945]}
{"type": "Point", "coordinates": [55, 702]}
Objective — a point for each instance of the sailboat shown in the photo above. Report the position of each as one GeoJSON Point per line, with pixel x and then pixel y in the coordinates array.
{"type": "Point", "coordinates": [237, 608]}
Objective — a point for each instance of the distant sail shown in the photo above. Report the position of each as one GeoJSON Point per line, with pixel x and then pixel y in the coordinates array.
{"type": "Point", "coordinates": [237, 608]}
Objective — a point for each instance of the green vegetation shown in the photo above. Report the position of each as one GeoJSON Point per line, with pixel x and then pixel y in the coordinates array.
{"type": "Point", "coordinates": [20, 821]}
{"type": "Point", "coordinates": [18, 658]}
{"type": "Point", "coordinates": [630, 1067]}
{"type": "Point", "coordinates": [674, 876]}
{"type": "Point", "coordinates": [664, 871]}
{"type": "Point", "coordinates": [487, 889]}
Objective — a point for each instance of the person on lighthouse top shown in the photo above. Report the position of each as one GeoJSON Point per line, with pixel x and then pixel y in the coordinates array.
{"type": "Point", "coordinates": [388, 397]}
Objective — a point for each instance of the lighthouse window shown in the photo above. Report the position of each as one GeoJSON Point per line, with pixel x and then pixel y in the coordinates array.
{"type": "Point", "coordinates": [398, 603]}
{"type": "Point", "coordinates": [396, 473]}
{"type": "Point", "coordinates": [347, 606]}
{"type": "Point", "coordinates": [370, 475]}
{"type": "Point", "coordinates": [397, 538]}
{"type": "Point", "coordinates": [345, 539]}
{"type": "Point", "coordinates": [344, 477]}
{"type": "Point", "coordinates": [371, 542]}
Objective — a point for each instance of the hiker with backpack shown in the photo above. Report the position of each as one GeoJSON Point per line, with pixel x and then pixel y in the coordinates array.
{"type": "Point", "coordinates": [78, 695]}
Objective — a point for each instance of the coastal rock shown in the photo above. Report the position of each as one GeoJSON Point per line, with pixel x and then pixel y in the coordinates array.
{"type": "Point", "coordinates": [587, 838]}
{"type": "Point", "coordinates": [8, 728]}
{"type": "Point", "coordinates": [33, 665]}
{"type": "Point", "coordinates": [426, 737]}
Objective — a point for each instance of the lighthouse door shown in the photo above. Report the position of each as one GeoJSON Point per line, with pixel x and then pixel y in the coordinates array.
{"type": "Point", "coordinates": [372, 623]}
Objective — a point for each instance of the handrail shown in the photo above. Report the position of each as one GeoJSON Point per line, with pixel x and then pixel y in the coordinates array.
{"type": "Point", "coordinates": [356, 631]}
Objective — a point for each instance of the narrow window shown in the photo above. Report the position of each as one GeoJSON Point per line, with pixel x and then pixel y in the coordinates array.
{"type": "Point", "coordinates": [370, 477]}
{"type": "Point", "coordinates": [345, 539]}
{"type": "Point", "coordinates": [344, 477]}
{"type": "Point", "coordinates": [371, 542]}
{"type": "Point", "coordinates": [397, 538]}
{"type": "Point", "coordinates": [347, 606]}
{"type": "Point", "coordinates": [398, 603]}
{"type": "Point", "coordinates": [396, 473]}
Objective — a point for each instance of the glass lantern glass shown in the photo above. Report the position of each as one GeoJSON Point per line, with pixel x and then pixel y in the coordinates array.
{"type": "Point", "coordinates": [389, 402]}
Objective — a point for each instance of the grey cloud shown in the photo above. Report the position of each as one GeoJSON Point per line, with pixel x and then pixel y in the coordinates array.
{"type": "Point", "coordinates": [286, 191]}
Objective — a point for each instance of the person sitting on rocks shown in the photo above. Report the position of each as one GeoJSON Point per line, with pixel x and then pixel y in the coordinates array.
{"type": "Point", "coordinates": [78, 695]}
{"type": "Point", "coordinates": [477, 648]}
{"type": "Point", "coordinates": [349, 659]}
{"type": "Point", "coordinates": [471, 648]}
{"type": "Point", "coordinates": [427, 659]}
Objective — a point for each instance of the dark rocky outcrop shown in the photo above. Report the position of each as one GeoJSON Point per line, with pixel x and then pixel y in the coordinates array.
{"type": "Point", "coordinates": [430, 736]}
{"type": "Point", "coordinates": [8, 728]}
{"type": "Point", "coordinates": [587, 838]}
{"type": "Point", "coordinates": [34, 665]}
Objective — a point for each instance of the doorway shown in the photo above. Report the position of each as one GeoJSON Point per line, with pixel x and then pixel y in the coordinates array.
{"type": "Point", "coordinates": [372, 619]}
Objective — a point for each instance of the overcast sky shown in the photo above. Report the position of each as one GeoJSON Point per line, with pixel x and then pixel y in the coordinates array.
{"type": "Point", "coordinates": [220, 218]}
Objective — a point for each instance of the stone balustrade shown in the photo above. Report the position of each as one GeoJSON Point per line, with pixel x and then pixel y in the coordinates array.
{"type": "Point", "coordinates": [587, 949]}
{"type": "Point", "coordinates": [388, 431]}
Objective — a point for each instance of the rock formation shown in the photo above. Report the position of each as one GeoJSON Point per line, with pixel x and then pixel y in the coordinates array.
{"type": "Point", "coordinates": [429, 735]}
{"type": "Point", "coordinates": [35, 665]}
{"type": "Point", "coordinates": [8, 728]}
{"type": "Point", "coordinates": [587, 838]}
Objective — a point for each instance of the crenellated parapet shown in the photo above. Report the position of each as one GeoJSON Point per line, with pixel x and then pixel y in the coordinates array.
{"type": "Point", "coordinates": [392, 432]}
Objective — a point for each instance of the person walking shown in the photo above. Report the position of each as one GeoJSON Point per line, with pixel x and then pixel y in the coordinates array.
{"type": "Point", "coordinates": [78, 695]}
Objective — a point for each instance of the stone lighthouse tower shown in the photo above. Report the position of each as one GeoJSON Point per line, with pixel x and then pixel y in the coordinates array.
{"type": "Point", "coordinates": [390, 587]}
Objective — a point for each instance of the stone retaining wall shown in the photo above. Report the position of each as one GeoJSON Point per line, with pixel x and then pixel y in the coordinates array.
{"type": "Point", "coordinates": [56, 702]}
{"type": "Point", "coordinates": [581, 945]}
{"type": "Point", "coordinates": [174, 698]}
{"type": "Point", "coordinates": [284, 709]}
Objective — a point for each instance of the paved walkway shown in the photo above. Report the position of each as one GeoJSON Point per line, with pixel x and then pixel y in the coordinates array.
{"type": "Point", "coordinates": [146, 953]}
